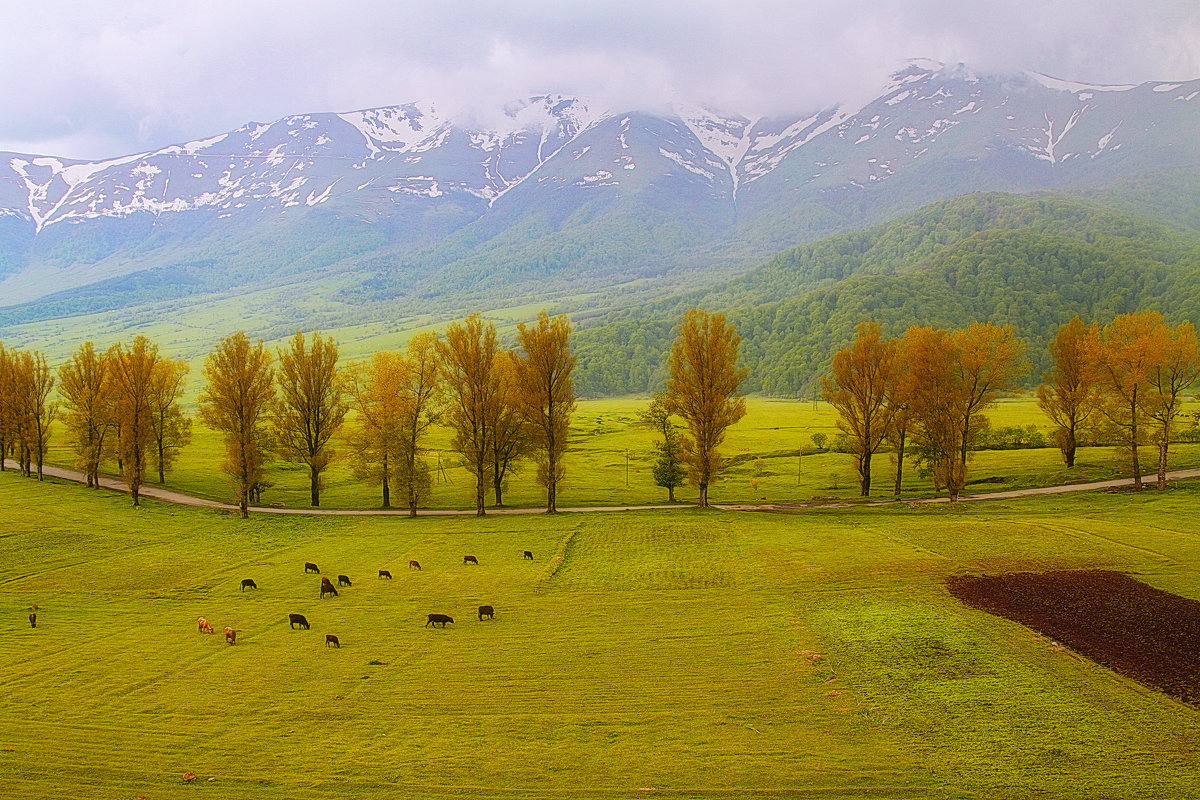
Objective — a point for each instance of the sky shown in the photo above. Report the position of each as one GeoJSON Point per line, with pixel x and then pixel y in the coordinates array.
{"type": "Point", "coordinates": [93, 80]}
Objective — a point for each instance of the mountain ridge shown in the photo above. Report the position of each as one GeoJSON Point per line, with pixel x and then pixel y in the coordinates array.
{"type": "Point", "coordinates": [411, 206]}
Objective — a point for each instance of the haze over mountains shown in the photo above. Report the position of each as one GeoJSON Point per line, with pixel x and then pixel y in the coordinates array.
{"type": "Point", "coordinates": [411, 210]}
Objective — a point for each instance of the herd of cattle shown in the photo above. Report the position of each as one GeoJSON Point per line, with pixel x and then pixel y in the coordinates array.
{"type": "Point", "coordinates": [300, 622]}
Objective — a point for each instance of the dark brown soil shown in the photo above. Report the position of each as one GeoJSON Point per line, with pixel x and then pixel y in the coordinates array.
{"type": "Point", "coordinates": [1143, 633]}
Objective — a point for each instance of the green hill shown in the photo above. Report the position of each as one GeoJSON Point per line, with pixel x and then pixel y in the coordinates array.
{"type": "Point", "coordinates": [1029, 261]}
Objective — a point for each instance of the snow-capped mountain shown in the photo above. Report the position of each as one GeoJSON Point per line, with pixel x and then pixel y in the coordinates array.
{"type": "Point", "coordinates": [557, 188]}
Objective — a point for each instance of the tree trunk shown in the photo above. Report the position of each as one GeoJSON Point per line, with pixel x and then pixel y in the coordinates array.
{"type": "Point", "coordinates": [133, 492]}
{"type": "Point", "coordinates": [387, 493]}
{"type": "Point", "coordinates": [704, 495]}
{"type": "Point", "coordinates": [1137, 466]}
{"type": "Point", "coordinates": [314, 485]}
{"type": "Point", "coordinates": [900, 461]}
{"type": "Point", "coordinates": [497, 482]}
{"type": "Point", "coordinates": [1162, 459]}
{"type": "Point", "coordinates": [864, 470]}
{"type": "Point", "coordinates": [670, 494]}
{"type": "Point", "coordinates": [244, 506]}
{"type": "Point", "coordinates": [480, 495]}
{"type": "Point", "coordinates": [162, 463]}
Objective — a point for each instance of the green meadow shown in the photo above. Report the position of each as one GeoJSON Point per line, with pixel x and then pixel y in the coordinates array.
{"type": "Point", "coordinates": [771, 456]}
{"type": "Point", "coordinates": [679, 654]}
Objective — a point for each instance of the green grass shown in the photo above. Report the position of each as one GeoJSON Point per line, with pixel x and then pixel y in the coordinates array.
{"type": "Point", "coordinates": [704, 654]}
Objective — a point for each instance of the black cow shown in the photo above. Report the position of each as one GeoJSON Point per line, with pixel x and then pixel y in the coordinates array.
{"type": "Point", "coordinates": [528, 555]}
{"type": "Point", "coordinates": [486, 611]}
{"type": "Point", "coordinates": [383, 573]}
{"type": "Point", "coordinates": [471, 560]}
{"type": "Point", "coordinates": [343, 581]}
{"type": "Point", "coordinates": [327, 588]}
{"type": "Point", "coordinates": [434, 619]}
{"type": "Point", "coordinates": [297, 619]}
{"type": "Point", "coordinates": [330, 639]}
{"type": "Point", "coordinates": [248, 583]}
{"type": "Point", "coordinates": [311, 567]}
{"type": "Point", "coordinates": [32, 620]}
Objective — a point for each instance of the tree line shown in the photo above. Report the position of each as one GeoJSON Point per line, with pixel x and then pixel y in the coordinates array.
{"type": "Point", "coordinates": [503, 406]}
{"type": "Point", "coordinates": [924, 393]}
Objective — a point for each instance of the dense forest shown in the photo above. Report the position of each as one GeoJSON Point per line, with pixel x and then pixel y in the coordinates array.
{"type": "Point", "coordinates": [1030, 261]}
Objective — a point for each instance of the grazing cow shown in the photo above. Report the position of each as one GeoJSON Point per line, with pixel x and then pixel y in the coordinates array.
{"type": "Point", "coordinates": [414, 565]}
{"type": "Point", "coordinates": [383, 573]}
{"type": "Point", "coordinates": [311, 567]}
{"type": "Point", "coordinates": [32, 620]}
{"type": "Point", "coordinates": [327, 588]}
{"type": "Point", "coordinates": [343, 581]}
{"type": "Point", "coordinates": [248, 583]}
{"type": "Point", "coordinates": [486, 611]}
{"type": "Point", "coordinates": [330, 639]}
{"type": "Point", "coordinates": [434, 619]}
{"type": "Point", "coordinates": [203, 625]}
{"type": "Point", "coordinates": [471, 560]}
{"type": "Point", "coordinates": [230, 636]}
{"type": "Point", "coordinates": [528, 555]}
{"type": "Point", "coordinates": [297, 619]}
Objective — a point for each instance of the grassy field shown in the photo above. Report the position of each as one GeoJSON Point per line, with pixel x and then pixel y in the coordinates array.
{"type": "Point", "coordinates": [680, 654]}
{"type": "Point", "coordinates": [610, 459]}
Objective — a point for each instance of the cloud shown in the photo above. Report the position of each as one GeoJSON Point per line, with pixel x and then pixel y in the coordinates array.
{"type": "Point", "coordinates": [85, 80]}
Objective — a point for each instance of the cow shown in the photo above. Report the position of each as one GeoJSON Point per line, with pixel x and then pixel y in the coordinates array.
{"type": "Point", "coordinates": [330, 639]}
{"type": "Point", "coordinates": [344, 581]}
{"type": "Point", "coordinates": [383, 573]}
{"type": "Point", "coordinates": [486, 611]}
{"type": "Point", "coordinates": [528, 555]}
{"type": "Point", "coordinates": [414, 565]}
{"type": "Point", "coordinates": [32, 619]}
{"type": "Point", "coordinates": [434, 619]}
{"type": "Point", "coordinates": [248, 583]}
{"type": "Point", "coordinates": [311, 567]}
{"type": "Point", "coordinates": [327, 588]}
{"type": "Point", "coordinates": [471, 560]}
{"type": "Point", "coordinates": [297, 619]}
{"type": "Point", "coordinates": [203, 625]}
{"type": "Point", "coordinates": [230, 636]}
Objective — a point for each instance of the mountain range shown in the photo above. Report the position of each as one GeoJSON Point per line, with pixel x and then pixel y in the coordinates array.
{"type": "Point", "coordinates": [414, 213]}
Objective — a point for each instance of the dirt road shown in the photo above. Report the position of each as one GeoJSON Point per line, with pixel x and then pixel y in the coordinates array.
{"type": "Point", "coordinates": [180, 498]}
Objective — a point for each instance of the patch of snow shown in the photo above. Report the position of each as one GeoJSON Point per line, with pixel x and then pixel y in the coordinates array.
{"type": "Point", "coordinates": [1167, 87]}
{"type": "Point", "coordinates": [863, 138]}
{"type": "Point", "coordinates": [1071, 86]}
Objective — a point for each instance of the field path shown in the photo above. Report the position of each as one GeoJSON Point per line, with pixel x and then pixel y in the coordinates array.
{"type": "Point", "coordinates": [180, 498]}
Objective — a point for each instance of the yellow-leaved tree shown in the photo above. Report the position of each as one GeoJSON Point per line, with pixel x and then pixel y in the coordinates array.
{"type": "Point", "coordinates": [238, 394]}
{"type": "Point", "coordinates": [703, 390]}
{"type": "Point", "coordinates": [311, 405]}
{"type": "Point", "coordinates": [546, 395]}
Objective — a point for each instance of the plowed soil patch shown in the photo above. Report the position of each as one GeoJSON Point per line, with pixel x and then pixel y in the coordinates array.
{"type": "Point", "coordinates": [1143, 633]}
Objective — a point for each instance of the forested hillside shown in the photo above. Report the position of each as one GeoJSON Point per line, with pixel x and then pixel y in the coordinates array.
{"type": "Point", "coordinates": [1029, 261]}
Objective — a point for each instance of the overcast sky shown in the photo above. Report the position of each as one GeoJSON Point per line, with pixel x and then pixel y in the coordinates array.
{"type": "Point", "coordinates": [95, 80]}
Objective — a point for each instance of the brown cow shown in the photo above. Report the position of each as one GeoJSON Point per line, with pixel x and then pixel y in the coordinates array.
{"type": "Point", "coordinates": [383, 573]}
{"type": "Point", "coordinates": [327, 588]}
{"type": "Point", "coordinates": [311, 567]}
{"type": "Point", "coordinates": [344, 581]}
{"type": "Point", "coordinates": [230, 636]}
{"type": "Point", "coordinates": [471, 560]}
{"type": "Point", "coordinates": [32, 620]}
{"type": "Point", "coordinates": [486, 611]}
{"type": "Point", "coordinates": [434, 619]}
{"type": "Point", "coordinates": [330, 639]}
{"type": "Point", "coordinates": [414, 565]}
{"type": "Point", "coordinates": [248, 583]}
{"type": "Point", "coordinates": [297, 619]}
{"type": "Point", "coordinates": [203, 625]}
